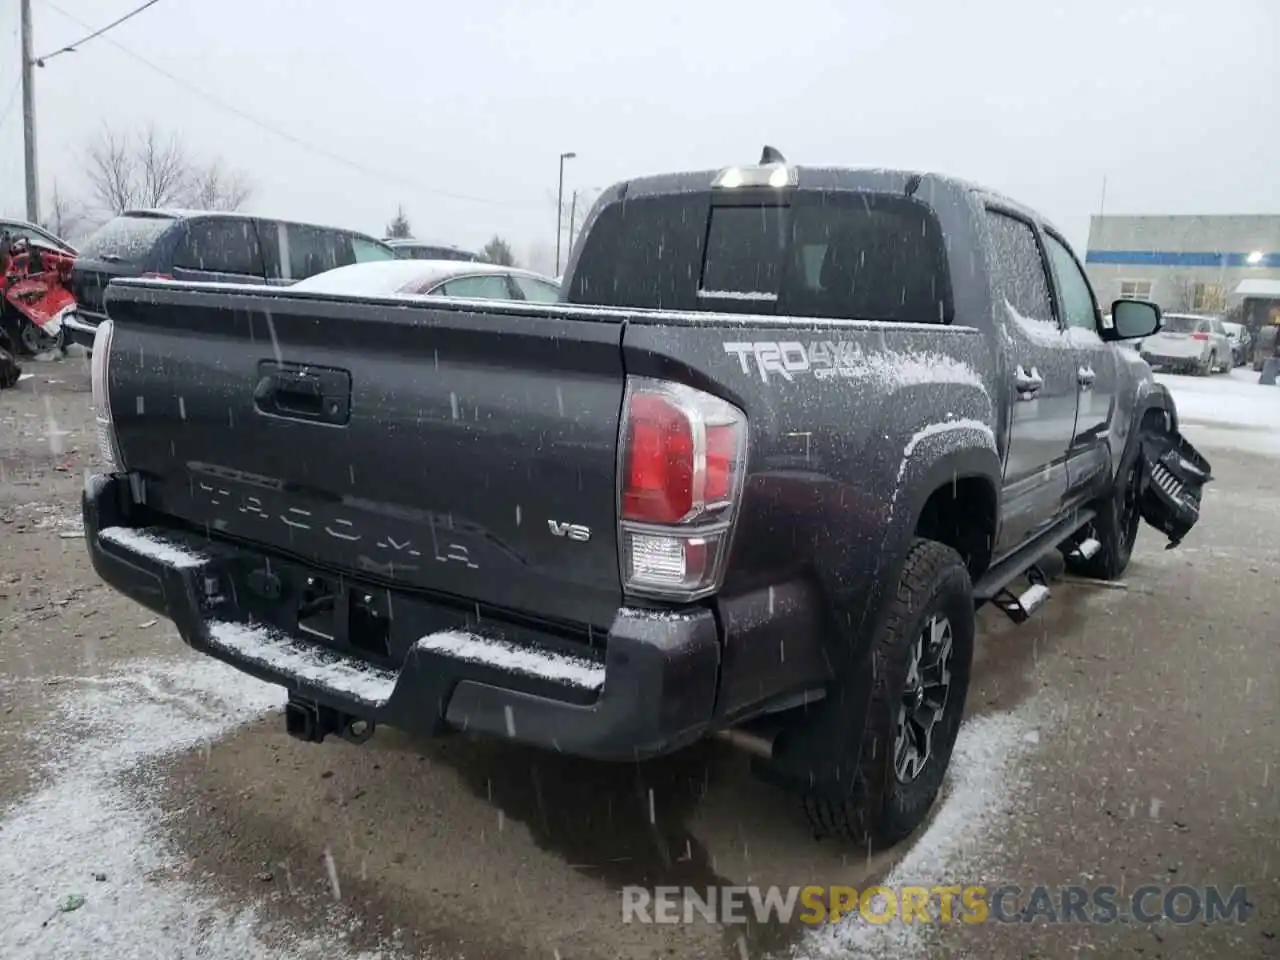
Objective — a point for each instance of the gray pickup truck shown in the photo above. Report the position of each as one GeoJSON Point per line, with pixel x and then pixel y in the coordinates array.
{"type": "Point", "coordinates": [791, 428]}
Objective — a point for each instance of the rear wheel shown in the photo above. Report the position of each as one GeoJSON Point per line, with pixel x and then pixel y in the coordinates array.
{"type": "Point", "coordinates": [1115, 528]}
{"type": "Point", "coordinates": [1208, 365]}
{"type": "Point", "coordinates": [920, 664]}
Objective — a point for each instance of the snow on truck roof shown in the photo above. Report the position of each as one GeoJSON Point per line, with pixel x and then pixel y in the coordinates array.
{"type": "Point", "coordinates": [879, 179]}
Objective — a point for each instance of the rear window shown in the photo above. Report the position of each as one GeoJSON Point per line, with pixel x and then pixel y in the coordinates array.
{"type": "Point", "coordinates": [128, 239]}
{"type": "Point", "coordinates": [434, 253]}
{"type": "Point", "coordinates": [1183, 324]}
{"type": "Point", "coordinates": [868, 257]}
{"type": "Point", "coordinates": [839, 255]}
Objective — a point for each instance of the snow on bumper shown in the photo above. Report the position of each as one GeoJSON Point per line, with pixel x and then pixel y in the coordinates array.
{"type": "Point", "coordinates": [651, 690]}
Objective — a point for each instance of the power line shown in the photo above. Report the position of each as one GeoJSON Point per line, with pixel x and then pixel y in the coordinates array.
{"type": "Point", "coordinates": [71, 47]}
{"type": "Point", "coordinates": [273, 129]}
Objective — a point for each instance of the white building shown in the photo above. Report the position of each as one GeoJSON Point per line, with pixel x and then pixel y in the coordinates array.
{"type": "Point", "coordinates": [1185, 263]}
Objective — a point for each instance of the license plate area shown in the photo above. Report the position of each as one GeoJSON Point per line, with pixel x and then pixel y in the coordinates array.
{"type": "Point", "coordinates": [344, 617]}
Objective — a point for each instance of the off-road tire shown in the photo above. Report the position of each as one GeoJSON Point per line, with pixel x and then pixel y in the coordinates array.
{"type": "Point", "coordinates": [880, 810]}
{"type": "Point", "coordinates": [1115, 527]}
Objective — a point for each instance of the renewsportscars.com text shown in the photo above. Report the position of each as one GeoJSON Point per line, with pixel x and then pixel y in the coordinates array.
{"type": "Point", "coordinates": [970, 903]}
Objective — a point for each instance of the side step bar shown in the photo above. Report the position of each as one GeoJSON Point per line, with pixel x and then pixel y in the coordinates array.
{"type": "Point", "coordinates": [1020, 607]}
{"type": "Point", "coordinates": [1085, 549]}
{"type": "Point", "coordinates": [993, 583]}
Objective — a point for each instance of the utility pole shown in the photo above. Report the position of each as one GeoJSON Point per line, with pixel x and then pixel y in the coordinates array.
{"type": "Point", "coordinates": [29, 114]}
{"type": "Point", "coordinates": [573, 209]}
{"type": "Point", "coordinates": [560, 206]}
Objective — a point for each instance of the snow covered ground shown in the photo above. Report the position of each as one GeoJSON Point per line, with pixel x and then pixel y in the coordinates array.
{"type": "Point", "coordinates": [88, 871]}
{"type": "Point", "coordinates": [1231, 412]}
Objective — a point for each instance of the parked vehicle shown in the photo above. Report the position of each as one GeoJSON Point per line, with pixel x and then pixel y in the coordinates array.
{"type": "Point", "coordinates": [25, 230]}
{"type": "Point", "coordinates": [753, 479]}
{"type": "Point", "coordinates": [437, 278]}
{"type": "Point", "coordinates": [35, 297]}
{"type": "Point", "coordinates": [420, 250]}
{"type": "Point", "coordinates": [205, 245]}
{"type": "Point", "coordinates": [1241, 342]}
{"type": "Point", "coordinates": [1189, 343]}
{"type": "Point", "coordinates": [1266, 346]}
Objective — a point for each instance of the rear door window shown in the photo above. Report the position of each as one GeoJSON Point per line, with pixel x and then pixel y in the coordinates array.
{"type": "Point", "coordinates": [126, 239]}
{"type": "Point", "coordinates": [1017, 267]}
{"type": "Point", "coordinates": [220, 245]}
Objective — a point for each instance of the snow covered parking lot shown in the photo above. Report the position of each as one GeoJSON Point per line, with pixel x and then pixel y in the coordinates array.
{"type": "Point", "coordinates": [152, 806]}
{"type": "Point", "coordinates": [1232, 412]}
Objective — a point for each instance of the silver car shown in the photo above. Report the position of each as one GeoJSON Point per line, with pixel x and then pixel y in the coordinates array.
{"type": "Point", "coordinates": [1189, 343]}
{"type": "Point", "coordinates": [434, 278]}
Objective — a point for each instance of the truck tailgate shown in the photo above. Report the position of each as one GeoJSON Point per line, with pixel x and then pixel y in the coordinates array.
{"type": "Point", "coordinates": [462, 450]}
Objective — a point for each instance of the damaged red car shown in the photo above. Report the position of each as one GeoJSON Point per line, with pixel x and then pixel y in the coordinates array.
{"type": "Point", "coordinates": [35, 288]}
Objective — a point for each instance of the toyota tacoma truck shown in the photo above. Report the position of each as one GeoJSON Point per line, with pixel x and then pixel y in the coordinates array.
{"type": "Point", "coordinates": [790, 428]}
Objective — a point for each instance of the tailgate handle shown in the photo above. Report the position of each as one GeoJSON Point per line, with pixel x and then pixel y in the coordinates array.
{"type": "Point", "coordinates": [317, 394]}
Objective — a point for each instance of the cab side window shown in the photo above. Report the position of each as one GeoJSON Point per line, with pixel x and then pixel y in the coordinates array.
{"type": "Point", "coordinates": [1077, 307]}
{"type": "Point", "coordinates": [1017, 269]}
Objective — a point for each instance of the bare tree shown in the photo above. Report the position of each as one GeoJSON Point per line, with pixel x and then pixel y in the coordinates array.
{"type": "Point", "coordinates": [216, 188]}
{"type": "Point", "coordinates": [66, 217]}
{"type": "Point", "coordinates": [148, 168]}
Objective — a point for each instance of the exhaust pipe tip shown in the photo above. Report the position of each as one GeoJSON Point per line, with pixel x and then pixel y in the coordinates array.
{"type": "Point", "coordinates": [751, 743]}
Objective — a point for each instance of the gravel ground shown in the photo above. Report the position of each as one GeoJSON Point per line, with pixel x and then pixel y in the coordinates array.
{"type": "Point", "coordinates": [151, 804]}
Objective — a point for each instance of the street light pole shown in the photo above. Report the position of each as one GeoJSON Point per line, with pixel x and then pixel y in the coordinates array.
{"type": "Point", "coordinates": [29, 114]}
{"type": "Point", "coordinates": [559, 202]}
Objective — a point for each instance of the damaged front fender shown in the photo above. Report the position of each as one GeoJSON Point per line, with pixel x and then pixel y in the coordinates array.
{"type": "Point", "coordinates": [1172, 478]}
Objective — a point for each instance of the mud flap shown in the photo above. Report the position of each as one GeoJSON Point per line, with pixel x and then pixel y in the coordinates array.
{"type": "Point", "coordinates": [1173, 478]}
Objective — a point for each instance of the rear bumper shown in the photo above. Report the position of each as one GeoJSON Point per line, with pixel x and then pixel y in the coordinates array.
{"type": "Point", "coordinates": [1157, 359]}
{"type": "Point", "coordinates": [652, 690]}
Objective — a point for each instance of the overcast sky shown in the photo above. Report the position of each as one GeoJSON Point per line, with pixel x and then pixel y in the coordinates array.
{"type": "Point", "coordinates": [460, 110]}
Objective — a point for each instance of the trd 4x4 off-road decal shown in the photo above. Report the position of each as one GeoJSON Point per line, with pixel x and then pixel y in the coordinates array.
{"type": "Point", "coordinates": [786, 358]}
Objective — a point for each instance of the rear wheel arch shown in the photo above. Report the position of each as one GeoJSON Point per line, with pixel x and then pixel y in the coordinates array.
{"type": "Point", "coordinates": [956, 502]}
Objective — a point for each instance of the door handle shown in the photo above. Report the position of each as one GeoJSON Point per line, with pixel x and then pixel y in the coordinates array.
{"type": "Point", "coordinates": [317, 394]}
{"type": "Point", "coordinates": [1027, 384]}
{"type": "Point", "coordinates": [1085, 376]}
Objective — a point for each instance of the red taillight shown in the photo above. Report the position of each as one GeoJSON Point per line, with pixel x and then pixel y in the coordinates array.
{"type": "Point", "coordinates": [659, 470]}
{"type": "Point", "coordinates": [1199, 336]}
{"type": "Point", "coordinates": [156, 276]}
{"type": "Point", "coordinates": [722, 451]}
{"type": "Point", "coordinates": [683, 455]}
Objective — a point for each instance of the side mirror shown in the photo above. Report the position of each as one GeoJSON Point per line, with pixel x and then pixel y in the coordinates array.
{"type": "Point", "coordinates": [1132, 320]}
